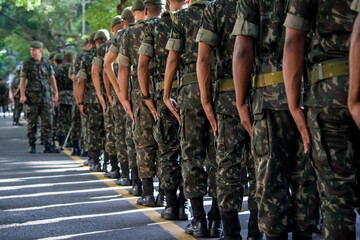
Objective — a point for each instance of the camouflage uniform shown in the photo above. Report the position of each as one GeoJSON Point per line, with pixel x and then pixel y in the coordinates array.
{"type": "Point", "coordinates": [38, 94]}
{"type": "Point", "coordinates": [276, 144]}
{"type": "Point", "coordinates": [166, 126]}
{"type": "Point", "coordinates": [109, 123]}
{"type": "Point", "coordinates": [334, 135]}
{"type": "Point", "coordinates": [65, 100]}
{"type": "Point", "coordinates": [75, 112]}
{"type": "Point", "coordinates": [145, 143]}
{"type": "Point", "coordinates": [196, 138]}
{"type": "Point", "coordinates": [4, 96]}
{"type": "Point", "coordinates": [18, 107]}
{"type": "Point", "coordinates": [95, 112]}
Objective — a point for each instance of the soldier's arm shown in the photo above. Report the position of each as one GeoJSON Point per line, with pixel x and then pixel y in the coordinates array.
{"type": "Point", "coordinates": [55, 90]}
{"type": "Point", "coordinates": [95, 75]}
{"type": "Point", "coordinates": [124, 78]}
{"type": "Point", "coordinates": [109, 60]}
{"type": "Point", "coordinates": [107, 85]}
{"type": "Point", "coordinates": [22, 90]}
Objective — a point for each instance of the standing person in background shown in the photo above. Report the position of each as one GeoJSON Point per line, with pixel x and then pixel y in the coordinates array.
{"type": "Point", "coordinates": [15, 90]}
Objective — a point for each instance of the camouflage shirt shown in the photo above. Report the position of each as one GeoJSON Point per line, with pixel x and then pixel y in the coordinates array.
{"type": "Point", "coordinates": [217, 24]}
{"type": "Point", "coordinates": [85, 73]}
{"type": "Point", "coordinates": [263, 21]}
{"type": "Point", "coordinates": [75, 68]}
{"type": "Point", "coordinates": [37, 74]}
{"type": "Point", "coordinates": [115, 46]}
{"type": "Point", "coordinates": [356, 5]}
{"type": "Point", "coordinates": [64, 84]}
{"type": "Point", "coordinates": [331, 21]}
{"type": "Point", "coordinates": [129, 47]}
{"type": "Point", "coordinates": [15, 85]}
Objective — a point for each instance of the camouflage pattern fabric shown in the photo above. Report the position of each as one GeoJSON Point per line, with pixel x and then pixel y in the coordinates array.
{"type": "Point", "coordinates": [85, 132]}
{"type": "Point", "coordinates": [76, 122]}
{"type": "Point", "coordinates": [166, 126]}
{"type": "Point", "coordinates": [145, 143]}
{"type": "Point", "coordinates": [38, 93]}
{"type": "Point", "coordinates": [328, 117]}
{"type": "Point", "coordinates": [18, 107]}
{"type": "Point", "coordinates": [95, 127]}
{"type": "Point", "coordinates": [231, 136]}
{"type": "Point", "coordinates": [63, 120]}
{"type": "Point", "coordinates": [109, 125]}
{"type": "Point", "coordinates": [130, 144]}
{"type": "Point", "coordinates": [276, 144]}
{"type": "Point", "coordinates": [249, 164]}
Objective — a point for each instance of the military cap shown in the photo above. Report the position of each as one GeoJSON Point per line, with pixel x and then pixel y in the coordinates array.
{"type": "Point", "coordinates": [69, 53]}
{"type": "Point", "coordinates": [116, 20]}
{"type": "Point", "coordinates": [158, 2]}
{"type": "Point", "coordinates": [92, 36]}
{"type": "Point", "coordinates": [126, 13]}
{"type": "Point", "coordinates": [52, 55]}
{"type": "Point", "coordinates": [36, 44]}
{"type": "Point", "coordinates": [101, 34]}
{"type": "Point", "coordinates": [59, 56]}
{"type": "Point", "coordinates": [138, 5]}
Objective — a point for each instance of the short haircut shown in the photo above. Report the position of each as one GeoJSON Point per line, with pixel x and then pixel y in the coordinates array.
{"type": "Point", "coordinates": [155, 9]}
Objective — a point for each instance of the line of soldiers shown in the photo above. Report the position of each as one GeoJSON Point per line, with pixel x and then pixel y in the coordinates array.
{"type": "Point", "coordinates": [194, 95]}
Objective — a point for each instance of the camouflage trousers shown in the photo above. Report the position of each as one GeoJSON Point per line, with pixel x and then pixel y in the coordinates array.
{"type": "Point", "coordinates": [85, 132]}
{"type": "Point", "coordinates": [18, 107]}
{"type": "Point", "coordinates": [166, 135]}
{"type": "Point", "coordinates": [109, 126]}
{"type": "Point", "coordinates": [229, 143]}
{"type": "Point", "coordinates": [120, 130]}
{"type": "Point", "coordinates": [75, 122]}
{"type": "Point", "coordinates": [335, 149]}
{"type": "Point", "coordinates": [95, 127]}
{"type": "Point", "coordinates": [197, 146]}
{"type": "Point", "coordinates": [54, 126]}
{"type": "Point", "coordinates": [130, 144]}
{"type": "Point", "coordinates": [45, 111]}
{"type": "Point", "coordinates": [250, 176]}
{"type": "Point", "coordinates": [280, 165]}
{"type": "Point", "coordinates": [63, 120]}
{"type": "Point", "coordinates": [145, 144]}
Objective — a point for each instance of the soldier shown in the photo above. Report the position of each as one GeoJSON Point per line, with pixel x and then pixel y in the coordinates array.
{"type": "Point", "coordinates": [101, 38]}
{"type": "Point", "coordinates": [166, 126]}
{"type": "Point", "coordinates": [145, 143]}
{"type": "Point", "coordinates": [4, 96]}
{"type": "Point", "coordinates": [52, 58]}
{"type": "Point", "coordinates": [40, 80]}
{"type": "Point", "coordinates": [326, 125]}
{"type": "Point", "coordinates": [15, 90]}
{"type": "Point", "coordinates": [196, 140]}
{"type": "Point", "coordinates": [65, 97]}
{"type": "Point", "coordinates": [215, 35]}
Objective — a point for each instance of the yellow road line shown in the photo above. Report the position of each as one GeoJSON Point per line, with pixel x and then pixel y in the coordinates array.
{"type": "Point", "coordinates": [170, 226]}
{"type": "Point", "coordinates": [22, 119]}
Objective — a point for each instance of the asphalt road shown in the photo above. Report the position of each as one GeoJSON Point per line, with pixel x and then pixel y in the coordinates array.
{"type": "Point", "coordinates": [52, 196]}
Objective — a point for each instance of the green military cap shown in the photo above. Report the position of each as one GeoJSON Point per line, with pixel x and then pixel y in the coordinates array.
{"type": "Point", "coordinates": [59, 56]}
{"type": "Point", "coordinates": [36, 44]}
{"type": "Point", "coordinates": [69, 53]}
{"type": "Point", "coordinates": [116, 20]}
{"type": "Point", "coordinates": [92, 36]}
{"type": "Point", "coordinates": [138, 5]}
{"type": "Point", "coordinates": [52, 55]}
{"type": "Point", "coordinates": [162, 2]}
{"type": "Point", "coordinates": [126, 13]}
{"type": "Point", "coordinates": [101, 34]}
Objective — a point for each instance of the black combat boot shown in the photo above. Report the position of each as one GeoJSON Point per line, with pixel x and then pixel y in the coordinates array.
{"type": "Point", "coordinates": [253, 228]}
{"type": "Point", "coordinates": [76, 148]}
{"type": "Point", "coordinates": [32, 148]}
{"type": "Point", "coordinates": [61, 140]}
{"type": "Point", "coordinates": [105, 162]}
{"type": "Point", "coordinates": [95, 166]}
{"type": "Point", "coordinates": [160, 198]}
{"type": "Point", "coordinates": [214, 220]}
{"type": "Point", "coordinates": [125, 179]}
{"type": "Point", "coordinates": [136, 187]}
{"type": "Point", "coordinates": [147, 198]}
{"type": "Point", "coordinates": [198, 226]}
{"type": "Point", "coordinates": [283, 236]}
{"type": "Point", "coordinates": [171, 210]}
{"type": "Point", "coordinates": [114, 172]}
{"type": "Point", "coordinates": [302, 235]}
{"type": "Point", "coordinates": [50, 148]}
{"type": "Point", "coordinates": [183, 205]}
{"type": "Point", "coordinates": [231, 225]}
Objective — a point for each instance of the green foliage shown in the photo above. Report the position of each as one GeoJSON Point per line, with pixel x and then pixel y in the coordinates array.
{"type": "Point", "coordinates": [100, 14]}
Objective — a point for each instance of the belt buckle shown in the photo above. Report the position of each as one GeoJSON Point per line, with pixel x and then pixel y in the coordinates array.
{"type": "Point", "coordinates": [320, 71]}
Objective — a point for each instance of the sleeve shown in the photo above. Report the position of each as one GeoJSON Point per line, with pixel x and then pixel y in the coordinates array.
{"type": "Point", "coordinates": [98, 60]}
{"type": "Point", "coordinates": [300, 15]}
{"type": "Point", "coordinates": [356, 5]}
{"type": "Point", "coordinates": [82, 72]}
{"type": "Point", "coordinates": [115, 45]}
{"type": "Point", "coordinates": [176, 41]}
{"type": "Point", "coordinates": [147, 45]}
{"type": "Point", "coordinates": [208, 29]}
{"type": "Point", "coordinates": [123, 58]}
{"type": "Point", "coordinates": [24, 69]}
{"type": "Point", "coordinates": [247, 22]}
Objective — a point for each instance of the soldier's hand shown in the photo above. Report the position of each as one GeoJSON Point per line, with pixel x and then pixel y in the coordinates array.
{"type": "Point", "coordinates": [209, 111]}
{"type": "Point", "coordinates": [300, 120]}
{"type": "Point", "coordinates": [127, 106]}
{"type": "Point", "coordinates": [55, 100]}
{"type": "Point", "coordinates": [172, 105]}
{"type": "Point", "coordinates": [244, 114]}
{"type": "Point", "coordinates": [22, 99]}
{"type": "Point", "coordinates": [151, 106]}
{"type": "Point", "coordinates": [110, 100]}
{"type": "Point", "coordinates": [102, 102]}
{"type": "Point", "coordinates": [83, 110]}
